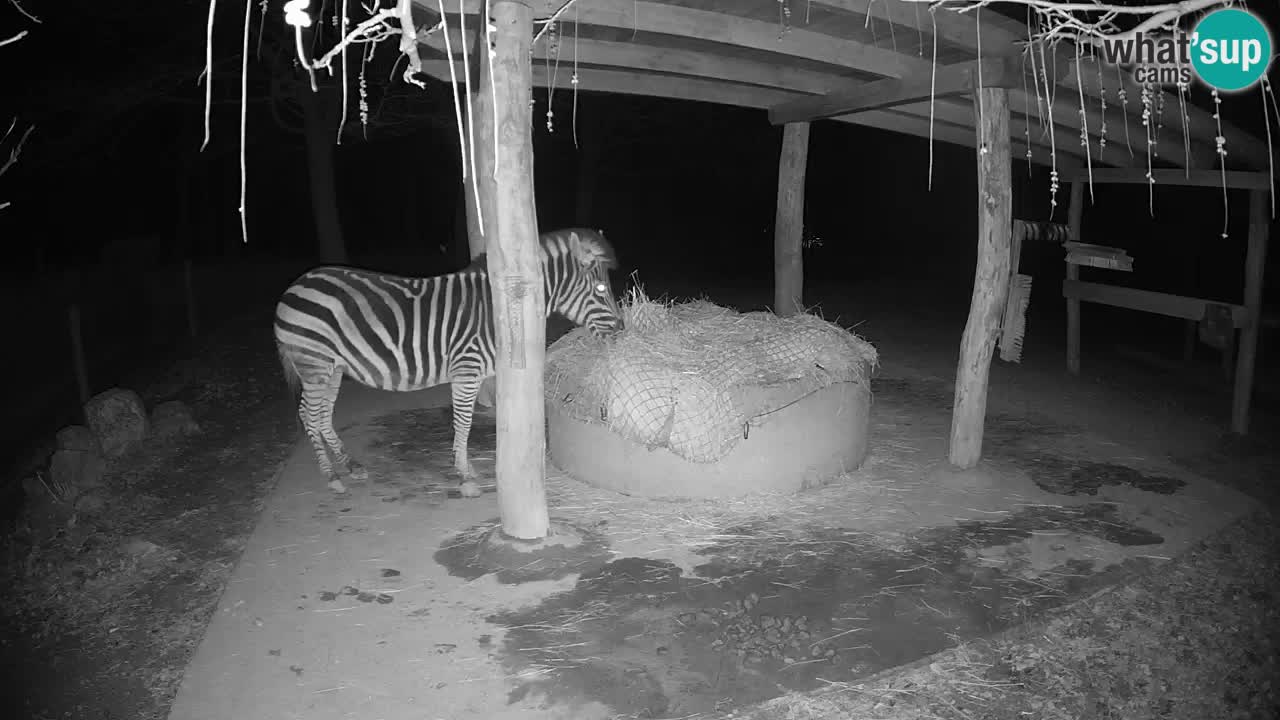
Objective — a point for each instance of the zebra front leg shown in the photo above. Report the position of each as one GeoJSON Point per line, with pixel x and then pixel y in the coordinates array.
{"type": "Point", "coordinates": [464, 392]}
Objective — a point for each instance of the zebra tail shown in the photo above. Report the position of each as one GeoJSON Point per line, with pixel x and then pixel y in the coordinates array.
{"type": "Point", "coordinates": [294, 381]}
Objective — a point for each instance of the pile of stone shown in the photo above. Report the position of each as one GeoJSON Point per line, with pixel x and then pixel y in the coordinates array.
{"type": "Point", "coordinates": [117, 424]}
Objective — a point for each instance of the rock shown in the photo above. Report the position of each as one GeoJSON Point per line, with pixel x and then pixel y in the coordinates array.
{"type": "Point", "coordinates": [119, 420]}
{"type": "Point", "coordinates": [173, 419]}
{"type": "Point", "coordinates": [71, 472]}
{"type": "Point", "coordinates": [92, 501]}
{"type": "Point", "coordinates": [33, 488]}
{"type": "Point", "coordinates": [78, 437]}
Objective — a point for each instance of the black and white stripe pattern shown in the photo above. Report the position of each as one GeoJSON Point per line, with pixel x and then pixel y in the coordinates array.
{"type": "Point", "coordinates": [404, 333]}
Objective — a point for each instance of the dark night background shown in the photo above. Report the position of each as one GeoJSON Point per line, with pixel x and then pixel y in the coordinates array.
{"type": "Point", "coordinates": [112, 192]}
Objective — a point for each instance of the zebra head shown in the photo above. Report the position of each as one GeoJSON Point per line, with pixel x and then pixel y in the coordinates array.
{"type": "Point", "coordinates": [577, 272]}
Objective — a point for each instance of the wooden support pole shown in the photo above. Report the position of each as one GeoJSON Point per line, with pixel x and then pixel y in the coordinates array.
{"type": "Point", "coordinates": [788, 231]}
{"type": "Point", "coordinates": [1075, 212]}
{"type": "Point", "coordinates": [991, 278]}
{"type": "Point", "coordinates": [480, 217]}
{"type": "Point", "coordinates": [482, 127]}
{"type": "Point", "coordinates": [189, 291]}
{"type": "Point", "coordinates": [77, 354]}
{"type": "Point", "coordinates": [1254, 267]}
{"type": "Point", "coordinates": [515, 273]}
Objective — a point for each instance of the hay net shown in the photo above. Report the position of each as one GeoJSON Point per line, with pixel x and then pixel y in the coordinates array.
{"type": "Point", "coordinates": [679, 375]}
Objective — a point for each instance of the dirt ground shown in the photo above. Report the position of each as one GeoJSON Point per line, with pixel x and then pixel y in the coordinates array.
{"type": "Point", "coordinates": [991, 606]}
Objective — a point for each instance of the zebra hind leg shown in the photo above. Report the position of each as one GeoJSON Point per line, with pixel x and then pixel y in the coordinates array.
{"type": "Point", "coordinates": [353, 468]}
{"type": "Point", "coordinates": [316, 411]}
{"type": "Point", "coordinates": [464, 391]}
{"type": "Point", "coordinates": [318, 444]}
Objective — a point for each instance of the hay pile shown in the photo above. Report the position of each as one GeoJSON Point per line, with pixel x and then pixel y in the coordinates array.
{"type": "Point", "coordinates": [676, 376]}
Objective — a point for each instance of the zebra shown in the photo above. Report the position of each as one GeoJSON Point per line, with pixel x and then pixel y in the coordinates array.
{"type": "Point", "coordinates": [408, 333]}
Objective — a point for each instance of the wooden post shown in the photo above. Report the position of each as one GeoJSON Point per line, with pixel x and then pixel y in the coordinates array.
{"type": "Point", "coordinates": [788, 231]}
{"type": "Point", "coordinates": [484, 213]}
{"type": "Point", "coordinates": [477, 239]}
{"type": "Point", "coordinates": [77, 354]}
{"type": "Point", "coordinates": [1228, 354]}
{"type": "Point", "coordinates": [482, 119]}
{"type": "Point", "coordinates": [515, 272]}
{"type": "Point", "coordinates": [991, 278]}
{"type": "Point", "coordinates": [1254, 268]}
{"type": "Point", "coordinates": [590, 151]}
{"type": "Point", "coordinates": [189, 290]}
{"type": "Point", "coordinates": [1075, 212]}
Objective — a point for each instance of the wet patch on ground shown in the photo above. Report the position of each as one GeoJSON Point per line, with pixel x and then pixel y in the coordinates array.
{"type": "Point", "coordinates": [481, 550]}
{"type": "Point", "coordinates": [1027, 446]}
{"type": "Point", "coordinates": [773, 610]}
{"type": "Point", "coordinates": [1024, 442]}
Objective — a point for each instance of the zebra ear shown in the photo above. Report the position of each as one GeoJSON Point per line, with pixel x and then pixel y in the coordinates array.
{"type": "Point", "coordinates": [590, 248]}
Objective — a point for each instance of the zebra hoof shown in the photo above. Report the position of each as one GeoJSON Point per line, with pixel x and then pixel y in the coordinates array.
{"type": "Point", "coordinates": [337, 486]}
{"type": "Point", "coordinates": [470, 489]}
{"type": "Point", "coordinates": [357, 471]}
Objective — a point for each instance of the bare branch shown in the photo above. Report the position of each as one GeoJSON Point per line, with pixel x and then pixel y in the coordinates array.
{"type": "Point", "coordinates": [1093, 21]}
{"type": "Point", "coordinates": [13, 39]}
{"type": "Point", "coordinates": [13, 154]}
{"type": "Point", "coordinates": [23, 10]}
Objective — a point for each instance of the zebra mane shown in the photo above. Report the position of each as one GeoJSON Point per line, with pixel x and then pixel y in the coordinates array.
{"type": "Point", "coordinates": [589, 246]}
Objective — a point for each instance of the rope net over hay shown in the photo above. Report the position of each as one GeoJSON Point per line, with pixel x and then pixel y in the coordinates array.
{"type": "Point", "coordinates": [681, 375]}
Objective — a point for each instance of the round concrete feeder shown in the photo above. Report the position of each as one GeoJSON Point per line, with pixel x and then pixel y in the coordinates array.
{"type": "Point", "coordinates": [801, 445]}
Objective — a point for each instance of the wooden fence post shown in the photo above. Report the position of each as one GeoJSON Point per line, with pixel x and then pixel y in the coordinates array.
{"type": "Point", "coordinates": [1075, 213]}
{"type": "Point", "coordinates": [788, 231]}
{"type": "Point", "coordinates": [189, 290]}
{"type": "Point", "coordinates": [77, 354]}
{"type": "Point", "coordinates": [991, 277]}
{"type": "Point", "coordinates": [1255, 266]}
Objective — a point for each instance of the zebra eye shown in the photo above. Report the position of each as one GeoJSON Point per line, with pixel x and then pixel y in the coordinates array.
{"type": "Point", "coordinates": [600, 288]}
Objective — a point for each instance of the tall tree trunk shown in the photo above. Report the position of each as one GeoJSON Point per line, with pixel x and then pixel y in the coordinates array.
{"type": "Point", "coordinates": [788, 238]}
{"type": "Point", "coordinates": [590, 143]}
{"type": "Point", "coordinates": [480, 219]}
{"type": "Point", "coordinates": [409, 208]}
{"type": "Point", "coordinates": [515, 272]}
{"type": "Point", "coordinates": [991, 277]}
{"type": "Point", "coordinates": [182, 225]}
{"type": "Point", "coordinates": [319, 135]}
{"type": "Point", "coordinates": [461, 245]}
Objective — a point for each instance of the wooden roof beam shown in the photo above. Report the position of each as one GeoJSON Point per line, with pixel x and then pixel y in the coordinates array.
{"type": "Point", "coordinates": [748, 73]}
{"type": "Point", "coordinates": [958, 79]}
{"type": "Point", "coordinates": [999, 35]}
{"type": "Point", "coordinates": [1241, 146]}
{"type": "Point", "coordinates": [683, 88]}
{"type": "Point", "coordinates": [715, 27]}
{"type": "Point", "coordinates": [960, 112]}
{"type": "Point", "coordinates": [1235, 180]}
{"type": "Point", "coordinates": [634, 56]}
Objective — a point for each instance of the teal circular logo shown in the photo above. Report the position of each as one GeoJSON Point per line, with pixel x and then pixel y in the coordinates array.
{"type": "Point", "coordinates": [1230, 49]}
